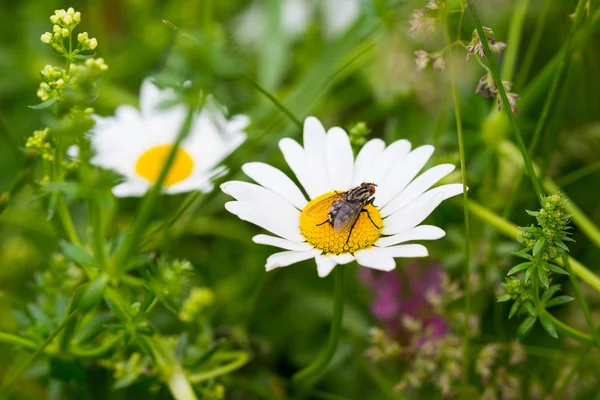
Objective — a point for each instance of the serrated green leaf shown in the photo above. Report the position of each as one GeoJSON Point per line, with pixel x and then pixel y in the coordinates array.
{"type": "Point", "coordinates": [548, 325]}
{"type": "Point", "coordinates": [525, 327]}
{"type": "Point", "coordinates": [539, 246]}
{"type": "Point", "coordinates": [76, 253]}
{"type": "Point", "coordinates": [559, 300]}
{"type": "Point", "coordinates": [519, 268]}
{"type": "Point", "coordinates": [45, 104]}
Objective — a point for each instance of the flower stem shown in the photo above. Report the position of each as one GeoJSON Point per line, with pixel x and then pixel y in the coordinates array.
{"type": "Point", "coordinates": [67, 221]}
{"type": "Point", "coordinates": [35, 355]}
{"type": "Point", "coordinates": [463, 170]}
{"type": "Point", "coordinates": [581, 299]}
{"type": "Point", "coordinates": [311, 374]}
{"type": "Point", "coordinates": [9, 338]}
{"type": "Point", "coordinates": [131, 240]}
{"type": "Point", "coordinates": [512, 231]}
{"type": "Point", "coordinates": [505, 104]}
{"type": "Point", "coordinates": [238, 360]}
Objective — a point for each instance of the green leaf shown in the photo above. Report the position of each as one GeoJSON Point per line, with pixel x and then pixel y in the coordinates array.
{"type": "Point", "coordinates": [550, 292]}
{"type": "Point", "coordinates": [84, 56]}
{"type": "Point", "coordinates": [528, 273]}
{"type": "Point", "coordinates": [92, 327]}
{"type": "Point", "coordinates": [540, 244]}
{"type": "Point", "coordinates": [543, 275]}
{"type": "Point", "coordinates": [503, 298]}
{"type": "Point", "coordinates": [93, 293]}
{"type": "Point", "coordinates": [513, 310]}
{"type": "Point", "coordinates": [556, 269]}
{"type": "Point", "coordinates": [559, 300]}
{"type": "Point", "coordinates": [546, 322]}
{"type": "Point", "coordinates": [529, 308]}
{"type": "Point", "coordinates": [45, 104]}
{"type": "Point", "coordinates": [519, 268]}
{"type": "Point", "coordinates": [560, 244]}
{"type": "Point", "coordinates": [76, 253]}
{"type": "Point", "coordinates": [525, 327]}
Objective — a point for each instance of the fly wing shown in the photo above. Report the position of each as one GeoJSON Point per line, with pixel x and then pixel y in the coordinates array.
{"type": "Point", "coordinates": [346, 216]}
{"type": "Point", "coordinates": [322, 207]}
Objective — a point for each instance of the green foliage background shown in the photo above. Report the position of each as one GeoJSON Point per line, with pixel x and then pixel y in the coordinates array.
{"type": "Point", "coordinates": [365, 74]}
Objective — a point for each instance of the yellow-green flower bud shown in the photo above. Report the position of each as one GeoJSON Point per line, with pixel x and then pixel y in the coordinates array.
{"type": "Point", "coordinates": [93, 43]}
{"type": "Point", "coordinates": [65, 32]}
{"type": "Point", "coordinates": [77, 17]}
{"type": "Point", "coordinates": [71, 11]}
{"type": "Point", "coordinates": [54, 19]}
{"type": "Point", "coordinates": [61, 13]}
{"type": "Point", "coordinates": [46, 38]}
{"type": "Point", "coordinates": [56, 28]}
{"type": "Point", "coordinates": [68, 19]}
{"type": "Point", "coordinates": [58, 35]}
{"type": "Point", "coordinates": [60, 83]}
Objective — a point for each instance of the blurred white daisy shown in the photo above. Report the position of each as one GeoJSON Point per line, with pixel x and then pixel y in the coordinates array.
{"type": "Point", "coordinates": [295, 16]}
{"type": "Point", "coordinates": [325, 165]}
{"type": "Point", "coordinates": [135, 143]}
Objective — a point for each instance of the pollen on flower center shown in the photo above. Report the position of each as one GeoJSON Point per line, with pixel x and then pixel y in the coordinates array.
{"type": "Point", "coordinates": [151, 162]}
{"type": "Point", "coordinates": [323, 237]}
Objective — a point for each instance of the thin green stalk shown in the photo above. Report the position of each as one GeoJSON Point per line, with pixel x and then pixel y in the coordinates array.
{"type": "Point", "coordinates": [515, 30]}
{"type": "Point", "coordinates": [505, 104]}
{"type": "Point", "coordinates": [533, 44]}
{"type": "Point", "coordinates": [239, 359]}
{"type": "Point", "coordinates": [578, 174]}
{"type": "Point", "coordinates": [581, 299]}
{"type": "Point", "coordinates": [512, 231]}
{"type": "Point", "coordinates": [67, 221]}
{"type": "Point", "coordinates": [583, 222]}
{"type": "Point", "coordinates": [9, 380]}
{"type": "Point", "coordinates": [570, 331]}
{"type": "Point", "coordinates": [131, 240]}
{"type": "Point", "coordinates": [97, 237]}
{"type": "Point", "coordinates": [463, 170]}
{"type": "Point", "coordinates": [311, 373]}
{"type": "Point", "coordinates": [9, 338]}
{"type": "Point", "coordinates": [558, 395]}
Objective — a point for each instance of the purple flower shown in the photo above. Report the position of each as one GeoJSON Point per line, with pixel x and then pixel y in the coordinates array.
{"type": "Point", "coordinates": [405, 295]}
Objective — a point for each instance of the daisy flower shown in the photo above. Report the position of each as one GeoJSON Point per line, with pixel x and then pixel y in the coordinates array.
{"type": "Point", "coordinates": [324, 166]}
{"type": "Point", "coordinates": [136, 143]}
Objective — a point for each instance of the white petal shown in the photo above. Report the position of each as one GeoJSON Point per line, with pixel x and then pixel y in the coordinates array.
{"type": "Point", "coordinates": [340, 159]}
{"type": "Point", "coordinates": [315, 145]}
{"type": "Point", "coordinates": [294, 156]}
{"type": "Point", "coordinates": [262, 199]}
{"type": "Point", "coordinates": [449, 190]}
{"type": "Point", "coordinates": [324, 265]}
{"type": "Point", "coordinates": [282, 243]}
{"type": "Point", "coordinates": [249, 212]}
{"type": "Point", "coordinates": [413, 214]}
{"type": "Point", "coordinates": [276, 181]}
{"type": "Point", "coordinates": [421, 232]}
{"type": "Point", "coordinates": [365, 159]}
{"type": "Point", "coordinates": [375, 258]}
{"type": "Point", "coordinates": [286, 258]}
{"type": "Point", "coordinates": [417, 187]}
{"type": "Point", "coordinates": [406, 251]}
{"type": "Point", "coordinates": [393, 154]}
{"type": "Point", "coordinates": [401, 174]}
{"type": "Point", "coordinates": [131, 189]}
{"type": "Point", "coordinates": [343, 258]}
{"type": "Point", "coordinates": [150, 97]}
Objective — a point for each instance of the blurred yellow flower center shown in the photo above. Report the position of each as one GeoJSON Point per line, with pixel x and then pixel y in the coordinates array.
{"type": "Point", "coordinates": [149, 165]}
{"type": "Point", "coordinates": [323, 237]}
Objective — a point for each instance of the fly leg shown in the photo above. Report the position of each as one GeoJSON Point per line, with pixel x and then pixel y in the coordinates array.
{"type": "Point", "coordinates": [370, 219]}
{"type": "Point", "coordinates": [350, 234]}
{"type": "Point", "coordinates": [323, 223]}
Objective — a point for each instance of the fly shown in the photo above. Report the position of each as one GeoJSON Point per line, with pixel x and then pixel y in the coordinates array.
{"type": "Point", "coordinates": [344, 208]}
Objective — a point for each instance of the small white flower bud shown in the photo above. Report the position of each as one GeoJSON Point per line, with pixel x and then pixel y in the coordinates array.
{"type": "Point", "coordinates": [93, 43]}
{"type": "Point", "coordinates": [65, 32]}
{"type": "Point", "coordinates": [60, 83]}
{"type": "Point", "coordinates": [68, 19]}
{"type": "Point", "coordinates": [57, 35]}
{"type": "Point", "coordinates": [70, 11]}
{"type": "Point", "coordinates": [46, 38]}
{"type": "Point", "coordinates": [77, 17]}
{"type": "Point", "coordinates": [61, 13]}
{"type": "Point", "coordinates": [56, 28]}
{"type": "Point", "coordinates": [54, 19]}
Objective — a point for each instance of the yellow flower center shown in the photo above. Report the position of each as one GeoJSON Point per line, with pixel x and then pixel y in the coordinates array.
{"type": "Point", "coordinates": [149, 165]}
{"type": "Point", "coordinates": [323, 237]}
